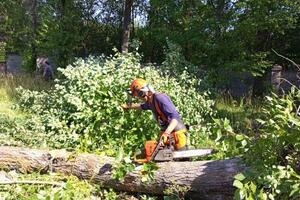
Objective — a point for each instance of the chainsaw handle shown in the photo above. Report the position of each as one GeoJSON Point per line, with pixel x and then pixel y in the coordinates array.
{"type": "Point", "coordinates": [140, 161]}
{"type": "Point", "coordinates": [156, 149]}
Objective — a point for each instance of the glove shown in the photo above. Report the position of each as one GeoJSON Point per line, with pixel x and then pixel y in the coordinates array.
{"type": "Point", "coordinates": [125, 106]}
{"type": "Point", "coordinates": [165, 137]}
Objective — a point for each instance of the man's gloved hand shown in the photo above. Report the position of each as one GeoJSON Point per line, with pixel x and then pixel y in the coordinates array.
{"type": "Point", "coordinates": [165, 137]}
{"type": "Point", "coordinates": [125, 106]}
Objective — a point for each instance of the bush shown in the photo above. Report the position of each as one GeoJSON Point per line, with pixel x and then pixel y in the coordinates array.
{"type": "Point", "coordinates": [84, 106]}
{"type": "Point", "coordinates": [273, 155]}
{"type": "Point", "coordinates": [22, 131]}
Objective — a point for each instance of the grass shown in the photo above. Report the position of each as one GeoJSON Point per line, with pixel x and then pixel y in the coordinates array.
{"type": "Point", "coordinates": [5, 103]}
{"type": "Point", "coordinates": [11, 119]}
{"type": "Point", "coordinates": [242, 112]}
{"type": "Point", "coordinates": [6, 106]}
{"type": "Point", "coordinates": [8, 94]}
{"type": "Point", "coordinates": [9, 83]}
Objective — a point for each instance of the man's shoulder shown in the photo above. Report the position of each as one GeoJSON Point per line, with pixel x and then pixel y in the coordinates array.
{"type": "Point", "coordinates": [162, 97]}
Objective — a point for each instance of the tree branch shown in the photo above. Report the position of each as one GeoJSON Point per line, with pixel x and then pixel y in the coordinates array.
{"type": "Point", "coordinates": [32, 183]}
{"type": "Point", "coordinates": [287, 59]}
{"type": "Point", "coordinates": [288, 82]}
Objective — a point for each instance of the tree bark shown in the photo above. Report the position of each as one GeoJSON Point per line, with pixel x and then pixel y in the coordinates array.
{"type": "Point", "coordinates": [126, 25]}
{"type": "Point", "coordinates": [34, 32]}
{"type": "Point", "coordinates": [201, 179]}
{"type": "Point", "coordinates": [3, 18]}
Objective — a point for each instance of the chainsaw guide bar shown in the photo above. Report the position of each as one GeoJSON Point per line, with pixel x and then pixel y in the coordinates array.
{"type": "Point", "coordinates": [168, 154]}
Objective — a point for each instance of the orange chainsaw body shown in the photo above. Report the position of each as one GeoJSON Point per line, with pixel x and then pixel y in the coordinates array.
{"type": "Point", "coordinates": [159, 152]}
{"type": "Point", "coordinates": [149, 148]}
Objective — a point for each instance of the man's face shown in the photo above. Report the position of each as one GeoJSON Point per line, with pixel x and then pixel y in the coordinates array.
{"type": "Point", "coordinates": [145, 98]}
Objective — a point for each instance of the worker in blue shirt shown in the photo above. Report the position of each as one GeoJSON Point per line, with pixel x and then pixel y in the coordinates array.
{"type": "Point", "coordinates": [163, 110]}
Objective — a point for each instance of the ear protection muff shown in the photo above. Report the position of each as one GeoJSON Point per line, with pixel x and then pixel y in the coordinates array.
{"type": "Point", "coordinates": [142, 92]}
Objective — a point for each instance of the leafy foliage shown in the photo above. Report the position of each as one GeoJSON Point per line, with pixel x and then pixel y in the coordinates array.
{"type": "Point", "coordinates": [22, 131]}
{"type": "Point", "coordinates": [15, 24]}
{"type": "Point", "coordinates": [122, 165]}
{"type": "Point", "coordinates": [223, 37]}
{"type": "Point", "coordinates": [175, 62]}
{"type": "Point", "coordinates": [148, 171]}
{"type": "Point", "coordinates": [275, 166]}
{"type": "Point", "coordinates": [218, 36]}
{"type": "Point", "coordinates": [54, 186]}
{"type": "Point", "coordinates": [83, 107]}
{"type": "Point", "coordinates": [18, 128]}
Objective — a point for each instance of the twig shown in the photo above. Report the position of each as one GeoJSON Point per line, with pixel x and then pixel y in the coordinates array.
{"type": "Point", "coordinates": [286, 59]}
{"type": "Point", "coordinates": [288, 82]}
{"type": "Point", "coordinates": [32, 182]}
{"type": "Point", "coordinates": [298, 109]}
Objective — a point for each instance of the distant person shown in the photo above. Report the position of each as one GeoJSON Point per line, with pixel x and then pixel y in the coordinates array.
{"type": "Point", "coordinates": [48, 71]}
{"type": "Point", "coordinates": [44, 68]}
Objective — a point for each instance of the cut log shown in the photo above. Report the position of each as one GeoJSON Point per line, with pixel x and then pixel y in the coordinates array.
{"type": "Point", "coordinates": [202, 179]}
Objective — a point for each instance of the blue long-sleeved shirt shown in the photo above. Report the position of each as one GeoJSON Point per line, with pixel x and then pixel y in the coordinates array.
{"type": "Point", "coordinates": [167, 108]}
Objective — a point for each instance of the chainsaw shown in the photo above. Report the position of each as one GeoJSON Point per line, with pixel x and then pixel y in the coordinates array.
{"type": "Point", "coordinates": [157, 151]}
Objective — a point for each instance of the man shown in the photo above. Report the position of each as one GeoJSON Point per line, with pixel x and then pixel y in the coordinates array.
{"type": "Point", "coordinates": [163, 110]}
{"type": "Point", "coordinates": [48, 71]}
{"type": "Point", "coordinates": [44, 68]}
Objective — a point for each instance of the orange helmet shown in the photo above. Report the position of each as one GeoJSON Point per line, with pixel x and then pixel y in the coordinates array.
{"type": "Point", "coordinates": [137, 85]}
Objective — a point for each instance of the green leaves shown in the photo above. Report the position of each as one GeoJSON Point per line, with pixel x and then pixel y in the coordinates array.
{"type": "Point", "coordinates": [67, 188]}
{"type": "Point", "coordinates": [238, 184]}
{"type": "Point", "coordinates": [239, 177]}
{"type": "Point", "coordinates": [148, 171]}
{"type": "Point", "coordinates": [270, 151]}
{"type": "Point", "coordinates": [83, 109]}
{"type": "Point", "coordinates": [272, 155]}
{"type": "Point", "coordinates": [239, 137]}
{"type": "Point", "coordinates": [122, 165]}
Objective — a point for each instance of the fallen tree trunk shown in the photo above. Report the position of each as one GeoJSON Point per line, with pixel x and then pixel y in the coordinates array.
{"type": "Point", "coordinates": [202, 179]}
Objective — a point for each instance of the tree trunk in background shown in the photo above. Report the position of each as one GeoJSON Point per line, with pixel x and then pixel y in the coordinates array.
{"type": "Point", "coordinates": [3, 67]}
{"type": "Point", "coordinates": [201, 179]}
{"type": "Point", "coordinates": [3, 18]}
{"type": "Point", "coordinates": [126, 25]}
{"type": "Point", "coordinates": [258, 86]}
{"type": "Point", "coordinates": [132, 21]}
{"type": "Point", "coordinates": [34, 33]}
{"type": "Point", "coordinates": [219, 10]}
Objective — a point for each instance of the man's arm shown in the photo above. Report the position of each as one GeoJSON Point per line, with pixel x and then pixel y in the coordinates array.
{"type": "Point", "coordinates": [171, 126]}
{"type": "Point", "coordinates": [135, 106]}
{"type": "Point", "coordinates": [169, 130]}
